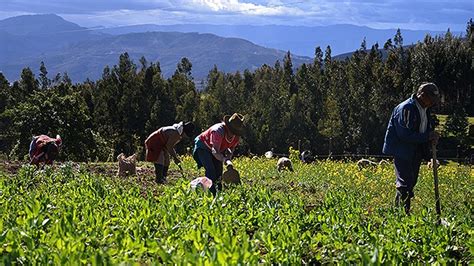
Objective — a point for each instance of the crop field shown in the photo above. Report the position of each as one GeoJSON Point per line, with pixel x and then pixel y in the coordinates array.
{"type": "Point", "coordinates": [443, 118]}
{"type": "Point", "coordinates": [325, 212]}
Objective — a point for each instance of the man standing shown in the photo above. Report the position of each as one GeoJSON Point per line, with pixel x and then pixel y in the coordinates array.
{"type": "Point", "coordinates": [160, 145]}
{"type": "Point", "coordinates": [409, 133]}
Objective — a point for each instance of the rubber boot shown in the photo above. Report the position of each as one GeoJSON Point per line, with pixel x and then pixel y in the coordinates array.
{"type": "Point", "coordinates": [403, 197]}
{"type": "Point", "coordinates": [159, 177]}
{"type": "Point", "coordinates": [165, 171]}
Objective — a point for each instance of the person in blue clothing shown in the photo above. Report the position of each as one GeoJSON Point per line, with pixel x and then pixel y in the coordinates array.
{"type": "Point", "coordinates": [409, 134]}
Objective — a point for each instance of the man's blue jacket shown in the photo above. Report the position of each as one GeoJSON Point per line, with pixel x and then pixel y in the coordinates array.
{"type": "Point", "coordinates": [403, 137]}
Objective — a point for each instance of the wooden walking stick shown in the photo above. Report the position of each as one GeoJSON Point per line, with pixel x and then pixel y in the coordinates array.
{"type": "Point", "coordinates": [435, 176]}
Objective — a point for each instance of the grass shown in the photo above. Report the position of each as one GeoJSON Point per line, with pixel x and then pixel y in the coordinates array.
{"type": "Point", "coordinates": [443, 118]}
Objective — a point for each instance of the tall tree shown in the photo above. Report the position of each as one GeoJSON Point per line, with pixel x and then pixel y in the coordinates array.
{"type": "Point", "coordinates": [457, 123]}
{"type": "Point", "coordinates": [44, 81]}
{"type": "Point", "coordinates": [26, 85]}
{"type": "Point", "coordinates": [184, 91]}
{"type": "Point", "coordinates": [330, 125]}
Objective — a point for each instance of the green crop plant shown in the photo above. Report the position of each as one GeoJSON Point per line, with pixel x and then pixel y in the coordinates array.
{"type": "Point", "coordinates": [326, 212]}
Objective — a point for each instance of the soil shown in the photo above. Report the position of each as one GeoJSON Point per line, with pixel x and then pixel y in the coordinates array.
{"type": "Point", "coordinates": [10, 167]}
{"type": "Point", "coordinates": [145, 173]}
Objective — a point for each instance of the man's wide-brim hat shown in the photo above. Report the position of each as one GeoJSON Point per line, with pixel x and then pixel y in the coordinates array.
{"type": "Point", "coordinates": [235, 123]}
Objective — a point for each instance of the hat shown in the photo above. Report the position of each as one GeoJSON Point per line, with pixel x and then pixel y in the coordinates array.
{"type": "Point", "coordinates": [58, 140]}
{"type": "Point", "coordinates": [188, 128]}
{"type": "Point", "coordinates": [235, 123]}
{"type": "Point", "coordinates": [430, 89]}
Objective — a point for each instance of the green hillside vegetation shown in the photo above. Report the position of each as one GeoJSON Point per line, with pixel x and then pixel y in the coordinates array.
{"type": "Point", "coordinates": [327, 106]}
{"type": "Point", "coordinates": [67, 47]}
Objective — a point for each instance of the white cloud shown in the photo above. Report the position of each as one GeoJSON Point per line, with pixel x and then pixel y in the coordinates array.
{"type": "Point", "coordinates": [235, 6]}
{"type": "Point", "coordinates": [255, 12]}
{"type": "Point", "coordinates": [198, 11]}
{"type": "Point", "coordinates": [125, 17]}
{"type": "Point", "coordinates": [7, 14]}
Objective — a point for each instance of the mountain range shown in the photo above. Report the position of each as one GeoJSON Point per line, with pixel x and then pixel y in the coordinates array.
{"type": "Point", "coordinates": [301, 40]}
{"type": "Point", "coordinates": [84, 52]}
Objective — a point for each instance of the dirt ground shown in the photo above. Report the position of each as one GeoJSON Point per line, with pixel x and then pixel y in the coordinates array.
{"type": "Point", "coordinates": [10, 167]}
{"type": "Point", "coordinates": [145, 176]}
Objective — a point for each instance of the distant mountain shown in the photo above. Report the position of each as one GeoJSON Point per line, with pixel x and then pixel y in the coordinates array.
{"type": "Point", "coordinates": [298, 39]}
{"type": "Point", "coordinates": [383, 52]}
{"type": "Point", "coordinates": [34, 36]}
{"type": "Point", "coordinates": [67, 47]}
{"type": "Point", "coordinates": [34, 25]}
{"type": "Point", "coordinates": [203, 50]}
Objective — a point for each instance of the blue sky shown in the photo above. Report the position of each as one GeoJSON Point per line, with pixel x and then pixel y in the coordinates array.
{"type": "Point", "coordinates": [406, 14]}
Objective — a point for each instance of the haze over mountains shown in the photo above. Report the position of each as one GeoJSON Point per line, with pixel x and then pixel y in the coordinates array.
{"type": "Point", "coordinates": [83, 53]}
{"type": "Point", "coordinates": [297, 39]}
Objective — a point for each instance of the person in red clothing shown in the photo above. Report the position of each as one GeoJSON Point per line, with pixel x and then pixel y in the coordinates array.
{"type": "Point", "coordinates": [216, 145]}
{"type": "Point", "coordinates": [160, 145]}
{"type": "Point", "coordinates": [44, 149]}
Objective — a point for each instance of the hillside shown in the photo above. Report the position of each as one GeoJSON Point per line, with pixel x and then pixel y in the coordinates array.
{"type": "Point", "coordinates": [300, 40]}
{"type": "Point", "coordinates": [67, 47]}
{"type": "Point", "coordinates": [34, 36]}
{"type": "Point", "coordinates": [34, 25]}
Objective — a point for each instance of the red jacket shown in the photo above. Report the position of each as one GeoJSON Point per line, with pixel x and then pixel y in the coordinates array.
{"type": "Point", "coordinates": [154, 145]}
{"type": "Point", "coordinates": [215, 137]}
{"type": "Point", "coordinates": [44, 149]}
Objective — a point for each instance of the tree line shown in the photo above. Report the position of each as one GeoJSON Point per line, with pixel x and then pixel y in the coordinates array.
{"type": "Point", "coordinates": [338, 106]}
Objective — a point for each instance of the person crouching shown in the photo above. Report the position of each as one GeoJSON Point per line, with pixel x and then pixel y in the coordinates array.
{"type": "Point", "coordinates": [216, 145]}
{"type": "Point", "coordinates": [44, 149]}
{"type": "Point", "coordinates": [160, 145]}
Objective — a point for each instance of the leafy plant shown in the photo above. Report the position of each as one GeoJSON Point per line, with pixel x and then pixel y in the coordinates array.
{"type": "Point", "coordinates": [327, 212]}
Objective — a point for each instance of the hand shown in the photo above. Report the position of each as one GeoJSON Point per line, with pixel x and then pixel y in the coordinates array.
{"type": "Point", "coordinates": [434, 137]}
{"type": "Point", "coordinates": [229, 164]}
{"type": "Point", "coordinates": [227, 153]}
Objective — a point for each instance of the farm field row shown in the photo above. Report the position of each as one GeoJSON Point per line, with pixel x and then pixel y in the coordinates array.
{"type": "Point", "coordinates": [326, 212]}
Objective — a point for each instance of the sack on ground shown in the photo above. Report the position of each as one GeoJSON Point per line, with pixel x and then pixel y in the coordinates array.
{"type": "Point", "coordinates": [127, 165]}
{"type": "Point", "coordinates": [201, 182]}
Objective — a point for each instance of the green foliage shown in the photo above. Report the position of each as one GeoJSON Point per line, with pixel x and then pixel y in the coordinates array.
{"type": "Point", "coordinates": [348, 102]}
{"type": "Point", "coordinates": [330, 126]}
{"type": "Point", "coordinates": [43, 77]}
{"type": "Point", "coordinates": [456, 123]}
{"type": "Point", "coordinates": [47, 112]}
{"type": "Point", "coordinates": [294, 154]}
{"type": "Point", "coordinates": [323, 213]}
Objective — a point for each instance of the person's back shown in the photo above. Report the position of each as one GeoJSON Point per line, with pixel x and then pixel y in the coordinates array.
{"type": "Point", "coordinates": [44, 149]}
{"type": "Point", "coordinates": [404, 116]}
{"type": "Point", "coordinates": [160, 146]}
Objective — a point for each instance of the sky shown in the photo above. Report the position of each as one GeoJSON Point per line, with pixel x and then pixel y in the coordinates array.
{"type": "Point", "coordinates": [405, 14]}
